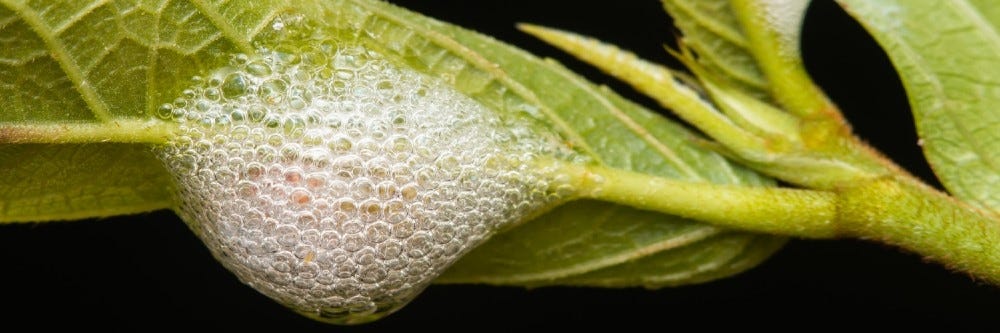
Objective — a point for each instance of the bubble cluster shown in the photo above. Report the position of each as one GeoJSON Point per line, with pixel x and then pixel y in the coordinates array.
{"type": "Point", "coordinates": [338, 183]}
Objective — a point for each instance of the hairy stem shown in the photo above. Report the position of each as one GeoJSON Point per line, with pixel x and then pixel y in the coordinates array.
{"type": "Point", "coordinates": [896, 210]}
{"type": "Point", "coordinates": [906, 213]}
{"type": "Point", "coordinates": [790, 212]}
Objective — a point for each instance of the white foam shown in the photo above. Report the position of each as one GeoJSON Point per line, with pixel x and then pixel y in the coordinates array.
{"type": "Point", "coordinates": [339, 184]}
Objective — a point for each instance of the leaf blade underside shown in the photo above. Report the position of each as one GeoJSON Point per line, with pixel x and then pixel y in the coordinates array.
{"type": "Point", "coordinates": [100, 62]}
{"type": "Point", "coordinates": [711, 29]}
{"type": "Point", "coordinates": [147, 56]}
{"type": "Point", "coordinates": [953, 95]}
{"type": "Point", "coordinates": [622, 135]}
{"type": "Point", "coordinates": [61, 185]}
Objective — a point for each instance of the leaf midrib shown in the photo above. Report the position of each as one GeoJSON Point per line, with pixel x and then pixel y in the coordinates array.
{"type": "Point", "coordinates": [227, 30]}
{"type": "Point", "coordinates": [666, 244]}
{"type": "Point", "coordinates": [665, 152]}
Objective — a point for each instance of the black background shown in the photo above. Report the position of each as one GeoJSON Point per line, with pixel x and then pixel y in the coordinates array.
{"type": "Point", "coordinates": [149, 271]}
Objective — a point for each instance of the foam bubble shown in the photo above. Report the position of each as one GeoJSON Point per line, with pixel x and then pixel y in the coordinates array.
{"type": "Point", "coordinates": [340, 184]}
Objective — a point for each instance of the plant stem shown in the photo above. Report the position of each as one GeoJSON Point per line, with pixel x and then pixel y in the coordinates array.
{"type": "Point", "coordinates": [774, 44]}
{"type": "Point", "coordinates": [906, 213]}
{"type": "Point", "coordinates": [122, 131]}
{"type": "Point", "coordinates": [790, 212]}
{"type": "Point", "coordinates": [896, 210]}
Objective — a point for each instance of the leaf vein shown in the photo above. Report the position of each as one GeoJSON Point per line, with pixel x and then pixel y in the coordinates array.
{"type": "Point", "coordinates": [633, 126]}
{"type": "Point", "coordinates": [63, 58]}
{"type": "Point", "coordinates": [993, 37]}
{"type": "Point", "coordinates": [608, 261]}
{"type": "Point", "coordinates": [174, 47]}
{"type": "Point", "coordinates": [725, 32]}
{"type": "Point", "coordinates": [152, 55]}
{"type": "Point", "coordinates": [227, 29]}
{"type": "Point", "coordinates": [487, 66]}
{"type": "Point", "coordinates": [271, 15]}
{"type": "Point", "coordinates": [25, 59]}
{"type": "Point", "coordinates": [921, 72]}
{"type": "Point", "coordinates": [69, 22]}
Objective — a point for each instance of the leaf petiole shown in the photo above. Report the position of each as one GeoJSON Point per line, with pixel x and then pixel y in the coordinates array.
{"type": "Point", "coordinates": [119, 131]}
{"type": "Point", "coordinates": [782, 211]}
{"type": "Point", "coordinates": [892, 209]}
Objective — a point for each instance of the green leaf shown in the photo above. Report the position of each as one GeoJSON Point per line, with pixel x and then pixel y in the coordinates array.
{"type": "Point", "coordinates": [618, 133]}
{"type": "Point", "coordinates": [711, 29]}
{"type": "Point", "coordinates": [99, 61]}
{"type": "Point", "coordinates": [99, 64]}
{"type": "Point", "coordinates": [106, 64]}
{"type": "Point", "coordinates": [953, 94]}
{"type": "Point", "coordinates": [57, 182]}
{"type": "Point", "coordinates": [712, 258]}
{"type": "Point", "coordinates": [753, 46]}
{"type": "Point", "coordinates": [616, 247]}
